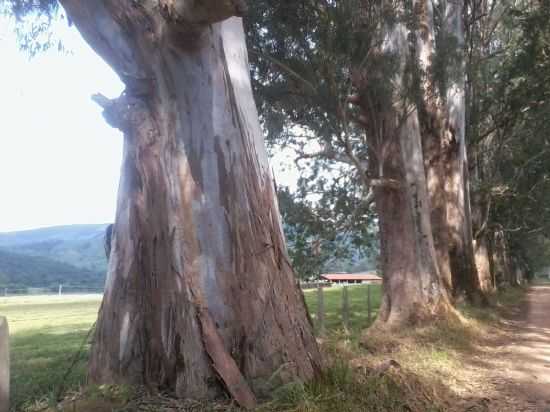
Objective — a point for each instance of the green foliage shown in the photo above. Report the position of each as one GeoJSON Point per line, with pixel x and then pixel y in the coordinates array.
{"type": "Point", "coordinates": [33, 23]}
{"type": "Point", "coordinates": [303, 56]}
{"type": "Point", "coordinates": [509, 106]}
{"type": "Point", "coordinates": [322, 238]}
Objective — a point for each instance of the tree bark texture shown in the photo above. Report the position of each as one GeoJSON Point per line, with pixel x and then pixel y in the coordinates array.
{"type": "Point", "coordinates": [481, 207]}
{"type": "Point", "coordinates": [483, 264]}
{"type": "Point", "coordinates": [200, 297]}
{"type": "Point", "coordinates": [465, 276]}
{"type": "Point", "coordinates": [504, 271]}
{"type": "Point", "coordinates": [432, 120]}
{"type": "Point", "coordinates": [413, 288]}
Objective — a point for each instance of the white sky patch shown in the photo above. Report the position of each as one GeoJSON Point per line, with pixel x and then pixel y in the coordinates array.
{"type": "Point", "coordinates": [284, 168]}
{"type": "Point", "coordinates": [59, 160]}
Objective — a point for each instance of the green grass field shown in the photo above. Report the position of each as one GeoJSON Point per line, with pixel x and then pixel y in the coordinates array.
{"type": "Point", "coordinates": [47, 331]}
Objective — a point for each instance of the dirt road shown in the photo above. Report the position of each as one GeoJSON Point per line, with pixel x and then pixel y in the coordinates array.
{"type": "Point", "coordinates": [524, 376]}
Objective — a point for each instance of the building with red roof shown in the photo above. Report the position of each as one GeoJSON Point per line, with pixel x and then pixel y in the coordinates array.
{"type": "Point", "coordinates": [346, 278]}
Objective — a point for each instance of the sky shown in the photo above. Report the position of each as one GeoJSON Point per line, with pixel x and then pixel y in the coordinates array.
{"type": "Point", "coordinates": [59, 160]}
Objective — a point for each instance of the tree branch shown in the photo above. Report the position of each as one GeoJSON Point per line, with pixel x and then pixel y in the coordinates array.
{"type": "Point", "coordinates": [285, 68]}
{"type": "Point", "coordinates": [203, 12]}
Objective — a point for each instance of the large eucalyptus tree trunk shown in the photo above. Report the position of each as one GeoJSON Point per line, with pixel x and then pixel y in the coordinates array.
{"type": "Point", "coordinates": [413, 289]}
{"type": "Point", "coordinates": [432, 120]}
{"type": "Point", "coordinates": [465, 276]}
{"type": "Point", "coordinates": [200, 297]}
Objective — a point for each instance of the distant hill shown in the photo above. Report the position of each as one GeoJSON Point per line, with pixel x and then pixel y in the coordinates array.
{"type": "Point", "coordinates": [24, 271]}
{"type": "Point", "coordinates": [77, 245]}
{"type": "Point", "coordinates": [71, 255]}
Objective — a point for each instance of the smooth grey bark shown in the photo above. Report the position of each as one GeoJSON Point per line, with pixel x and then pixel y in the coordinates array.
{"type": "Point", "coordinates": [200, 296]}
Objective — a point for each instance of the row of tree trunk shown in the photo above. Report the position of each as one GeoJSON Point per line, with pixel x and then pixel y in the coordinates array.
{"type": "Point", "coordinates": [427, 247]}
{"type": "Point", "coordinates": [200, 297]}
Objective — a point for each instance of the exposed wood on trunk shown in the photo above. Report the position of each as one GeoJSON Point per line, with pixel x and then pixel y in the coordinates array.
{"type": "Point", "coordinates": [200, 297]}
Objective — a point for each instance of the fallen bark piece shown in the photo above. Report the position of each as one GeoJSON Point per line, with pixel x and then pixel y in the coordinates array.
{"type": "Point", "coordinates": [224, 364]}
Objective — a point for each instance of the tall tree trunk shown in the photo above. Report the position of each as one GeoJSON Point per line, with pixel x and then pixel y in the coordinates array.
{"type": "Point", "coordinates": [483, 264]}
{"type": "Point", "coordinates": [501, 257]}
{"type": "Point", "coordinates": [413, 291]}
{"type": "Point", "coordinates": [432, 119]}
{"type": "Point", "coordinates": [435, 176]}
{"type": "Point", "coordinates": [413, 288]}
{"type": "Point", "coordinates": [465, 276]}
{"type": "Point", "coordinates": [200, 297]}
{"type": "Point", "coordinates": [482, 248]}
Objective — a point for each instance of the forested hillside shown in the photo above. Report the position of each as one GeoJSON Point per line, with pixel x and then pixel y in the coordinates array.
{"type": "Point", "coordinates": [77, 245]}
{"type": "Point", "coordinates": [70, 255]}
{"type": "Point", "coordinates": [22, 271]}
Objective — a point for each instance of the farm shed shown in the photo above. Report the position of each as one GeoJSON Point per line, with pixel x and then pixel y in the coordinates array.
{"type": "Point", "coordinates": [347, 278]}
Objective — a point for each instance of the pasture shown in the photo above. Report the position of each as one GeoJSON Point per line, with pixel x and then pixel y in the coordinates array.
{"type": "Point", "coordinates": [46, 332]}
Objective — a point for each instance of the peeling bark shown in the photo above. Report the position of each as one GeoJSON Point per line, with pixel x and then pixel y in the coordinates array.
{"type": "Point", "coordinates": [413, 289]}
{"type": "Point", "coordinates": [200, 297]}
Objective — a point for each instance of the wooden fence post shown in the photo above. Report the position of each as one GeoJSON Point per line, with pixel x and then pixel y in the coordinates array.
{"type": "Point", "coordinates": [320, 310]}
{"type": "Point", "coordinates": [4, 366]}
{"type": "Point", "coordinates": [345, 308]}
{"type": "Point", "coordinates": [369, 305]}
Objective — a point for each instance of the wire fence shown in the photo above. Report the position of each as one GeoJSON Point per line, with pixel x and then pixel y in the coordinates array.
{"type": "Point", "coordinates": [62, 289]}
{"type": "Point", "coordinates": [83, 290]}
{"type": "Point", "coordinates": [49, 290]}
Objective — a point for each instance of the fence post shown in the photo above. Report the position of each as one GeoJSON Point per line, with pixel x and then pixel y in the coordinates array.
{"type": "Point", "coordinates": [345, 308]}
{"type": "Point", "coordinates": [320, 310]}
{"type": "Point", "coordinates": [4, 366]}
{"type": "Point", "coordinates": [60, 289]}
{"type": "Point", "coordinates": [369, 305]}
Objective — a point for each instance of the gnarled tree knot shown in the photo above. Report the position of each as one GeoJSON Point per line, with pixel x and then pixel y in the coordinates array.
{"type": "Point", "coordinates": [121, 112]}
